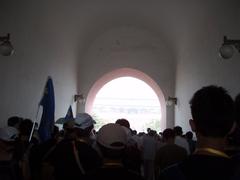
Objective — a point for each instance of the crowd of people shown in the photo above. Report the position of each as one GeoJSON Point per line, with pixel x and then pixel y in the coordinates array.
{"type": "Point", "coordinates": [116, 151]}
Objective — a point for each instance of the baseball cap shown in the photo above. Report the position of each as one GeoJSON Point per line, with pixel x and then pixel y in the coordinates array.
{"type": "Point", "coordinates": [84, 120]}
{"type": "Point", "coordinates": [8, 133]}
{"type": "Point", "coordinates": [112, 136]}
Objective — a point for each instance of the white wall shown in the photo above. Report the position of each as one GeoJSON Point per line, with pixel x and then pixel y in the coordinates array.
{"type": "Point", "coordinates": [134, 48]}
{"type": "Point", "coordinates": [76, 42]}
{"type": "Point", "coordinates": [43, 46]}
{"type": "Point", "coordinates": [198, 61]}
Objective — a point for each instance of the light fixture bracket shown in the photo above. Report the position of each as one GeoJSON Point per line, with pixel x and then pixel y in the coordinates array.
{"type": "Point", "coordinates": [6, 48]}
{"type": "Point", "coordinates": [5, 38]}
{"type": "Point", "coordinates": [233, 42]}
{"type": "Point", "coordinates": [79, 98]}
{"type": "Point", "coordinates": [226, 51]}
{"type": "Point", "coordinates": [171, 101]}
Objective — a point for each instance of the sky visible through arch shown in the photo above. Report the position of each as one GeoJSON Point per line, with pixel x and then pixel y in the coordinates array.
{"type": "Point", "coordinates": [129, 98]}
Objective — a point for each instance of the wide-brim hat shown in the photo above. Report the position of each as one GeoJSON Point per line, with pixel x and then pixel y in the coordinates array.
{"type": "Point", "coordinates": [112, 136]}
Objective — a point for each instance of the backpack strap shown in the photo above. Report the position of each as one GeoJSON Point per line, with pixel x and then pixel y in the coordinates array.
{"type": "Point", "coordinates": [75, 152]}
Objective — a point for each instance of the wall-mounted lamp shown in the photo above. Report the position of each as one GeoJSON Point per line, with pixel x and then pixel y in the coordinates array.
{"type": "Point", "coordinates": [79, 98]}
{"type": "Point", "coordinates": [6, 48]}
{"type": "Point", "coordinates": [227, 49]}
{"type": "Point", "coordinates": [171, 101]}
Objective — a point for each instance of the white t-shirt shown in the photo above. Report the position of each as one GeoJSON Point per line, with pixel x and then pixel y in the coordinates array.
{"type": "Point", "coordinates": [180, 141]}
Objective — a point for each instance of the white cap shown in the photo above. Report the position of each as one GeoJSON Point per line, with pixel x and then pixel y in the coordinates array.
{"type": "Point", "coordinates": [112, 133]}
{"type": "Point", "coordinates": [8, 133]}
{"type": "Point", "coordinates": [84, 120]}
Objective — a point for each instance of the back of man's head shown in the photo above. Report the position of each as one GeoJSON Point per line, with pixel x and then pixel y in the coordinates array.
{"type": "Point", "coordinates": [25, 127]}
{"type": "Point", "coordinates": [14, 121]}
{"type": "Point", "coordinates": [212, 110]}
{"type": "Point", "coordinates": [168, 134]}
{"type": "Point", "coordinates": [178, 130]}
{"type": "Point", "coordinates": [189, 135]}
{"type": "Point", "coordinates": [123, 122]}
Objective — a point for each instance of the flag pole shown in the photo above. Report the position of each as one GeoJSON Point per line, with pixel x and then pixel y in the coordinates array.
{"type": "Point", "coordinates": [34, 123]}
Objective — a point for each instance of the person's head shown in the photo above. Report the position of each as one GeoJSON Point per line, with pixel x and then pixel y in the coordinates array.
{"type": "Point", "coordinates": [68, 128]}
{"type": "Point", "coordinates": [178, 130]}
{"type": "Point", "coordinates": [14, 121]}
{"type": "Point", "coordinates": [68, 125]}
{"type": "Point", "coordinates": [112, 139]}
{"type": "Point", "coordinates": [134, 132]}
{"type": "Point", "coordinates": [168, 134]}
{"type": "Point", "coordinates": [25, 127]}
{"type": "Point", "coordinates": [123, 122]}
{"type": "Point", "coordinates": [189, 135]}
{"type": "Point", "coordinates": [84, 124]}
{"type": "Point", "coordinates": [152, 133]}
{"type": "Point", "coordinates": [212, 110]}
{"type": "Point", "coordinates": [148, 130]}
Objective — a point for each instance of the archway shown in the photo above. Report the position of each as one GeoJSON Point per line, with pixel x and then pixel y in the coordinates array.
{"type": "Point", "coordinates": [141, 78]}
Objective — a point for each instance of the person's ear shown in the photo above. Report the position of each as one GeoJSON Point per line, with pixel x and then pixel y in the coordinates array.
{"type": "Point", "coordinates": [192, 125]}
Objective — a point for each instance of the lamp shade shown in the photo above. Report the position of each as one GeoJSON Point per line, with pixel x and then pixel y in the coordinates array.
{"type": "Point", "coordinates": [226, 51]}
{"type": "Point", "coordinates": [6, 48]}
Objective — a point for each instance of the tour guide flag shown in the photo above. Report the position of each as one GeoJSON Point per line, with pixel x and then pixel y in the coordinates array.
{"type": "Point", "coordinates": [69, 114]}
{"type": "Point", "coordinates": [48, 104]}
{"type": "Point", "coordinates": [68, 117]}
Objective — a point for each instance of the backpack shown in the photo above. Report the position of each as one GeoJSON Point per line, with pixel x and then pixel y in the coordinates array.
{"type": "Point", "coordinates": [172, 173]}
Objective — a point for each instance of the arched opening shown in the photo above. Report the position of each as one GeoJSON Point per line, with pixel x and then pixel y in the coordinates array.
{"type": "Point", "coordinates": [108, 100]}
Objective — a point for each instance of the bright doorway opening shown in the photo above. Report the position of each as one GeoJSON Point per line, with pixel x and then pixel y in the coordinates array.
{"type": "Point", "coordinates": [129, 98]}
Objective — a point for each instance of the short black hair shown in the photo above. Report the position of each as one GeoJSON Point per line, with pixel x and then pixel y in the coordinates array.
{"type": "Point", "coordinates": [168, 133]}
{"type": "Point", "coordinates": [14, 120]}
{"type": "Point", "coordinates": [123, 122]}
{"type": "Point", "coordinates": [178, 130]}
{"type": "Point", "coordinates": [189, 135]}
{"type": "Point", "coordinates": [25, 127]}
{"type": "Point", "coordinates": [212, 109]}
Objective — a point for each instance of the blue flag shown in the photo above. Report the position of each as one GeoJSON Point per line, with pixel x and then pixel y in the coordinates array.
{"type": "Point", "coordinates": [48, 103]}
{"type": "Point", "coordinates": [69, 114]}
